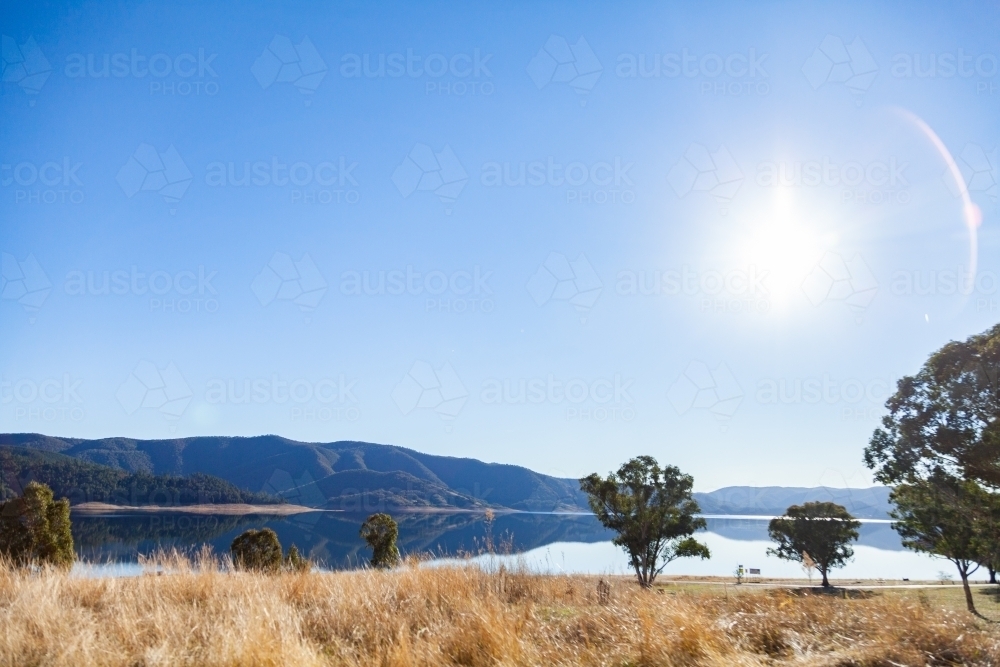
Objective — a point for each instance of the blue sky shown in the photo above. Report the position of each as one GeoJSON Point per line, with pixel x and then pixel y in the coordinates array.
{"type": "Point", "coordinates": [733, 234]}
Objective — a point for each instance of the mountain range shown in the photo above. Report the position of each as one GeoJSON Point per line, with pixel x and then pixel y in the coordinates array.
{"type": "Point", "coordinates": [365, 477]}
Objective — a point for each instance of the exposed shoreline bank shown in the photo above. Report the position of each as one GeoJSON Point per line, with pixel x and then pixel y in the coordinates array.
{"type": "Point", "coordinates": [235, 509]}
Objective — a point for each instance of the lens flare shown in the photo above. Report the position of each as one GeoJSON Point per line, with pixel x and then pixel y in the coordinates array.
{"type": "Point", "coordinates": [971, 213]}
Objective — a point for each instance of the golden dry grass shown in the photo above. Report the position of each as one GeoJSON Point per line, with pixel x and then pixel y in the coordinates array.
{"type": "Point", "coordinates": [201, 614]}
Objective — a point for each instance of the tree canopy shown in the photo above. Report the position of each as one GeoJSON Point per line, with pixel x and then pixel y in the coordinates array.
{"type": "Point", "coordinates": [940, 447]}
{"type": "Point", "coordinates": [943, 420]}
{"type": "Point", "coordinates": [651, 510]}
{"type": "Point", "coordinates": [380, 531]}
{"type": "Point", "coordinates": [947, 518]}
{"type": "Point", "coordinates": [257, 551]}
{"type": "Point", "coordinates": [819, 531]}
{"type": "Point", "coordinates": [35, 528]}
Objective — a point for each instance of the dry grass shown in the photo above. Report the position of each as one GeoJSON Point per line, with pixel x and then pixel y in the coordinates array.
{"type": "Point", "coordinates": [201, 614]}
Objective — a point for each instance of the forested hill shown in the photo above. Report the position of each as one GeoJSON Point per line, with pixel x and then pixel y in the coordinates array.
{"type": "Point", "coordinates": [354, 476]}
{"type": "Point", "coordinates": [361, 476]}
{"type": "Point", "coordinates": [82, 481]}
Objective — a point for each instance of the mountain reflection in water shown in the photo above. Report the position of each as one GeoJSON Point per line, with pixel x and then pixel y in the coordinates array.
{"type": "Point", "coordinates": [331, 538]}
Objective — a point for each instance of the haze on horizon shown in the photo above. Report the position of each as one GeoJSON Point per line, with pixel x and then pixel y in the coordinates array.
{"type": "Point", "coordinates": [554, 236]}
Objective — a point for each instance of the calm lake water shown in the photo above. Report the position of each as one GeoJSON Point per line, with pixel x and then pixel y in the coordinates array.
{"type": "Point", "coordinates": [544, 542]}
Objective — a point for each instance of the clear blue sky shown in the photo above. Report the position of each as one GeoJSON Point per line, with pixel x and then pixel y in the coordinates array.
{"type": "Point", "coordinates": [550, 234]}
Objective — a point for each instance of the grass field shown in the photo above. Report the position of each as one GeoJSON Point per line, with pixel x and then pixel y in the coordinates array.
{"type": "Point", "coordinates": [199, 613]}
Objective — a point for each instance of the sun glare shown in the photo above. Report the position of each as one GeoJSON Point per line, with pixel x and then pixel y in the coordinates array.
{"type": "Point", "coordinates": [783, 241]}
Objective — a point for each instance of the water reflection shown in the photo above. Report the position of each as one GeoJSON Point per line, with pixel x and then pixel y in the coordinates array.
{"type": "Point", "coordinates": [331, 538]}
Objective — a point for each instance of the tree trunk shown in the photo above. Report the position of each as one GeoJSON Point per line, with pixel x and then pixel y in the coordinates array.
{"type": "Point", "coordinates": [826, 582]}
{"type": "Point", "coordinates": [968, 591]}
{"type": "Point", "coordinates": [640, 576]}
{"type": "Point", "coordinates": [993, 575]}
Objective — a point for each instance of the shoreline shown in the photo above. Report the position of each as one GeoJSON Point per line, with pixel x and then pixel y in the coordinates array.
{"type": "Point", "coordinates": [233, 509]}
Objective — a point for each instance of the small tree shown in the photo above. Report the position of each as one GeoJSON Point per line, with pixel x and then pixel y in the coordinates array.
{"type": "Point", "coordinates": [380, 532]}
{"type": "Point", "coordinates": [652, 512]}
{"type": "Point", "coordinates": [257, 551]}
{"type": "Point", "coordinates": [942, 517]}
{"type": "Point", "coordinates": [35, 529]}
{"type": "Point", "coordinates": [823, 531]}
{"type": "Point", "coordinates": [295, 562]}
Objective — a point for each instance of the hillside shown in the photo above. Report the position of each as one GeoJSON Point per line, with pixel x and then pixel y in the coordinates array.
{"type": "Point", "coordinates": [352, 476]}
{"type": "Point", "coordinates": [366, 477]}
{"type": "Point", "coordinates": [83, 481]}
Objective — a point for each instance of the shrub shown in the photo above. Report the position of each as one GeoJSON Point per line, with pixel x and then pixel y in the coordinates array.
{"type": "Point", "coordinates": [380, 532]}
{"type": "Point", "coordinates": [35, 528]}
{"type": "Point", "coordinates": [295, 562]}
{"type": "Point", "coordinates": [257, 551]}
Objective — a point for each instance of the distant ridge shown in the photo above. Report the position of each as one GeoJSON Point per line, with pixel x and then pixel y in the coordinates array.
{"type": "Point", "coordinates": [345, 475]}
{"type": "Point", "coordinates": [367, 477]}
{"type": "Point", "coordinates": [870, 503]}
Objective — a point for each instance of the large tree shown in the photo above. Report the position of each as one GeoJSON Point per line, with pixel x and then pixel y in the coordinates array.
{"type": "Point", "coordinates": [651, 510]}
{"type": "Point", "coordinates": [946, 518]}
{"type": "Point", "coordinates": [819, 531]}
{"type": "Point", "coordinates": [943, 421]}
{"type": "Point", "coordinates": [940, 443]}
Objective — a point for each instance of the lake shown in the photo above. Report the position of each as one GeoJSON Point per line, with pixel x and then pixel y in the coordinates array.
{"type": "Point", "coordinates": [571, 543]}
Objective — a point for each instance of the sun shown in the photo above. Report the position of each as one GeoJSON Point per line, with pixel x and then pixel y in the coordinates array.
{"type": "Point", "coordinates": [783, 241]}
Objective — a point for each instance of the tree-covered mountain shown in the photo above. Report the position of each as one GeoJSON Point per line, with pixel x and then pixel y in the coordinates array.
{"type": "Point", "coordinates": [347, 475]}
{"type": "Point", "coordinates": [366, 477]}
{"type": "Point", "coordinates": [83, 481]}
